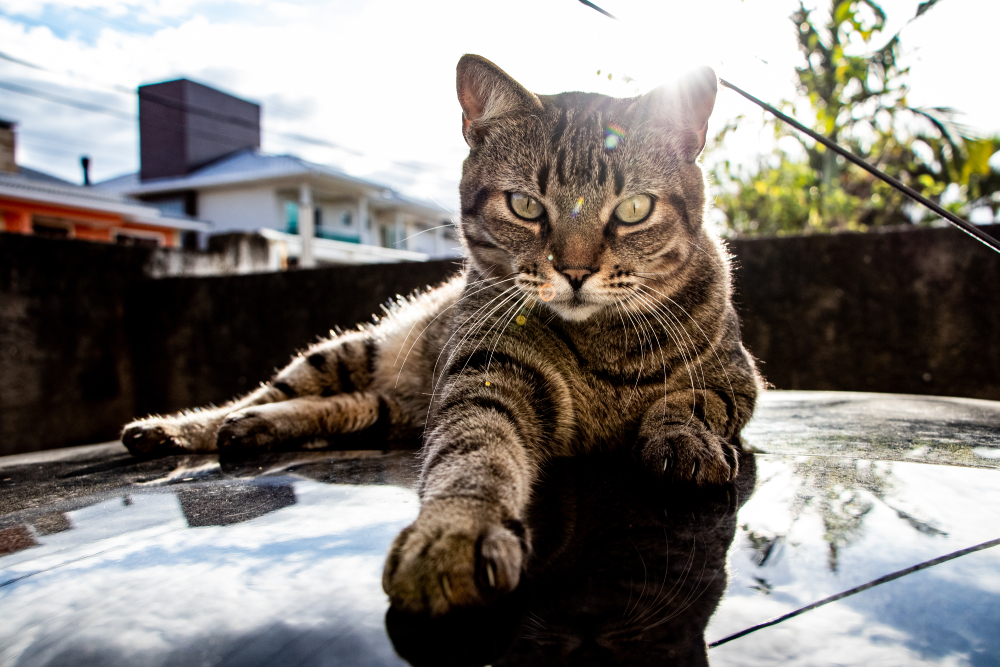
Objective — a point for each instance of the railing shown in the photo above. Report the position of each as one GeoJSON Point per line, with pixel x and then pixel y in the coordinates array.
{"type": "Point", "coordinates": [325, 233]}
{"type": "Point", "coordinates": [339, 251]}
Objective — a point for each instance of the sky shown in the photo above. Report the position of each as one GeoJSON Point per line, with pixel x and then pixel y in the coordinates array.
{"type": "Point", "coordinates": [376, 78]}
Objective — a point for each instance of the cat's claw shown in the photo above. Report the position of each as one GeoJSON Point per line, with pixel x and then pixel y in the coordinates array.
{"type": "Point", "coordinates": [453, 557]}
{"type": "Point", "coordinates": [691, 453]}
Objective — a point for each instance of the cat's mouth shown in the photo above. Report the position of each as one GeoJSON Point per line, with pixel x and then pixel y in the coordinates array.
{"type": "Point", "coordinates": [576, 307]}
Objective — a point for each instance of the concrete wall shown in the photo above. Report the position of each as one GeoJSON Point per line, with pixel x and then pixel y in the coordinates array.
{"type": "Point", "coordinates": [87, 340]}
{"type": "Point", "coordinates": [909, 312]}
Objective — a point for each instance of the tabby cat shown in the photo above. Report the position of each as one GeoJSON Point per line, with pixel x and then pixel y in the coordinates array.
{"type": "Point", "coordinates": [593, 313]}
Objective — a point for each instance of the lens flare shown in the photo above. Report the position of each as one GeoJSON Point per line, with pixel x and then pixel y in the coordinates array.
{"type": "Point", "coordinates": [521, 319]}
{"type": "Point", "coordinates": [547, 292]}
{"type": "Point", "coordinates": [577, 207]}
{"type": "Point", "coordinates": [613, 136]}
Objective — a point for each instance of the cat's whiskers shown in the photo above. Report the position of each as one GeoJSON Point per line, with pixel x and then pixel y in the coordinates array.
{"type": "Point", "coordinates": [732, 392]}
{"type": "Point", "coordinates": [652, 334]}
{"type": "Point", "coordinates": [506, 319]}
{"type": "Point", "coordinates": [500, 300]}
{"type": "Point", "coordinates": [442, 395]}
{"type": "Point", "coordinates": [642, 358]}
{"type": "Point", "coordinates": [429, 229]}
{"type": "Point", "coordinates": [641, 306]}
{"type": "Point", "coordinates": [681, 331]}
{"type": "Point", "coordinates": [475, 329]}
{"type": "Point", "coordinates": [676, 336]}
{"type": "Point", "coordinates": [428, 325]}
{"type": "Point", "coordinates": [474, 282]}
{"type": "Point", "coordinates": [662, 601]}
{"type": "Point", "coordinates": [692, 597]}
{"type": "Point", "coordinates": [707, 254]}
{"type": "Point", "coordinates": [456, 332]}
{"type": "Point", "coordinates": [645, 577]}
{"type": "Point", "coordinates": [678, 344]}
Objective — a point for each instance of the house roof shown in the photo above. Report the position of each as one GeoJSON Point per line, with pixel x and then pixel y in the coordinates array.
{"type": "Point", "coordinates": [36, 187]}
{"type": "Point", "coordinates": [41, 176]}
{"type": "Point", "coordinates": [251, 166]}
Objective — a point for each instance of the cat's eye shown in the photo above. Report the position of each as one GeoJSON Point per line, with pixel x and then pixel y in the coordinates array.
{"type": "Point", "coordinates": [525, 207]}
{"type": "Point", "coordinates": [634, 209]}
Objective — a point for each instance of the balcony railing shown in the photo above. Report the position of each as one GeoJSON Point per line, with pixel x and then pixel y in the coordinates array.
{"type": "Point", "coordinates": [326, 233]}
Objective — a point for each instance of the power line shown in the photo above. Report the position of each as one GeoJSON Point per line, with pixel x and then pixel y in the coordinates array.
{"type": "Point", "coordinates": [59, 99]}
{"type": "Point", "coordinates": [963, 225]}
{"type": "Point", "coordinates": [165, 101]}
{"type": "Point", "coordinates": [857, 589]}
{"type": "Point", "coordinates": [953, 219]}
{"type": "Point", "coordinates": [98, 108]}
{"type": "Point", "coordinates": [224, 118]}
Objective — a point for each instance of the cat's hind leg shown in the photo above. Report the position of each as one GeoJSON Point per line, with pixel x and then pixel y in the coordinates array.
{"type": "Point", "coordinates": [302, 419]}
{"type": "Point", "coordinates": [191, 431]}
{"type": "Point", "coordinates": [331, 367]}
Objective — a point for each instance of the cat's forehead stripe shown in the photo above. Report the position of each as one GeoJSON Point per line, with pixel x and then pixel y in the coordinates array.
{"type": "Point", "coordinates": [543, 179]}
{"type": "Point", "coordinates": [560, 126]}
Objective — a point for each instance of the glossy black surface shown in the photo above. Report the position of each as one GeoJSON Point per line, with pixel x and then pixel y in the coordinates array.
{"type": "Point", "coordinates": [106, 560]}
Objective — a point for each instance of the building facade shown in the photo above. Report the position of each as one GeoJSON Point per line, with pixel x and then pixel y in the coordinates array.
{"type": "Point", "coordinates": [200, 156]}
{"type": "Point", "coordinates": [35, 203]}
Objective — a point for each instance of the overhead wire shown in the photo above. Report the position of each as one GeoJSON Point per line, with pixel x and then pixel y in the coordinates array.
{"type": "Point", "coordinates": [950, 217]}
{"type": "Point", "coordinates": [857, 589]}
{"type": "Point", "coordinates": [177, 104]}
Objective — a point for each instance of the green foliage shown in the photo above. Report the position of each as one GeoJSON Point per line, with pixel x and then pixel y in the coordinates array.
{"type": "Point", "coordinates": [856, 94]}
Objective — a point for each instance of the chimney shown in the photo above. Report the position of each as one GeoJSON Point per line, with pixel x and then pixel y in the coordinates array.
{"type": "Point", "coordinates": [85, 163]}
{"type": "Point", "coordinates": [184, 125]}
{"type": "Point", "coordinates": [7, 143]}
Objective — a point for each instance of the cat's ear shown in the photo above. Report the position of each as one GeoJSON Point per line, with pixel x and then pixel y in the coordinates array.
{"type": "Point", "coordinates": [486, 92]}
{"type": "Point", "coordinates": [683, 108]}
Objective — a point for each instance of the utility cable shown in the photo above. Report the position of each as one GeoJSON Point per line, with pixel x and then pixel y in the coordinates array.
{"type": "Point", "coordinates": [963, 225]}
{"type": "Point", "coordinates": [857, 589]}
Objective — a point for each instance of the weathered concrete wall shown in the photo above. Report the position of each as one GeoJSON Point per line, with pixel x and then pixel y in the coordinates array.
{"type": "Point", "coordinates": [65, 371]}
{"type": "Point", "coordinates": [905, 312]}
{"type": "Point", "coordinates": [204, 340]}
{"type": "Point", "coordinates": [87, 341]}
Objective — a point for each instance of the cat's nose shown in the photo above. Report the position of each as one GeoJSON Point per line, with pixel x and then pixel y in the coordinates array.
{"type": "Point", "coordinates": [576, 276]}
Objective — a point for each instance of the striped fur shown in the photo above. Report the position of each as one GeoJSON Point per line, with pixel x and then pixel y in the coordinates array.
{"type": "Point", "coordinates": [569, 333]}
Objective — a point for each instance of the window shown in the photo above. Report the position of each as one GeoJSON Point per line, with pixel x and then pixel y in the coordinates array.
{"type": "Point", "coordinates": [136, 240]}
{"type": "Point", "coordinates": [173, 206]}
{"type": "Point", "coordinates": [317, 217]}
{"type": "Point", "coordinates": [291, 217]}
{"type": "Point", "coordinates": [50, 232]}
{"type": "Point", "coordinates": [51, 228]}
{"type": "Point", "coordinates": [345, 219]}
{"type": "Point", "coordinates": [387, 236]}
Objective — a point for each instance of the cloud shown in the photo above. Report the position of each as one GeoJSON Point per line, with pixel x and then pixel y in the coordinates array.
{"type": "Point", "coordinates": [379, 77]}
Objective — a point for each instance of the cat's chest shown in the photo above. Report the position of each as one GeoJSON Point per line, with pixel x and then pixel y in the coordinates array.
{"type": "Point", "coordinates": [613, 382]}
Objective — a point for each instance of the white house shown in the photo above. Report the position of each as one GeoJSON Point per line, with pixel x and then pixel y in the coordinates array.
{"type": "Point", "coordinates": [200, 156]}
{"type": "Point", "coordinates": [299, 206]}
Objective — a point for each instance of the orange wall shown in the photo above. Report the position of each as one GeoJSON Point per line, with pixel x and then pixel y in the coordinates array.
{"type": "Point", "coordinates": [88, 225]}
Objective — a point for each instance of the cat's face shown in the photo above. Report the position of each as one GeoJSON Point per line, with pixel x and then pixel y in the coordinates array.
{"type": "Point", "coordinates": [576, 198]}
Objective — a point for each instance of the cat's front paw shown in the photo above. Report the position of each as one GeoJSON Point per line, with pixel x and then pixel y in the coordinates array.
{"type": "Point", "coordinates": [154, 437]}
{"type": "Point", "coordinates": [247, 429]}
{"type": "Point", "coordinates": [455, 555]}
{"type": "Point", "coordinates": [690, 453]}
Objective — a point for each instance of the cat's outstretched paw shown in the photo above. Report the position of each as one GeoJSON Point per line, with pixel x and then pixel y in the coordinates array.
{"type": "Point", "coordinates": [453, 557]}
{"type": "Point", "coordinates": [155, 437]}
{"type": "Point", "coordinates": [691, 453]}
{"type": "Point", "coordinates": [247, 429]}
